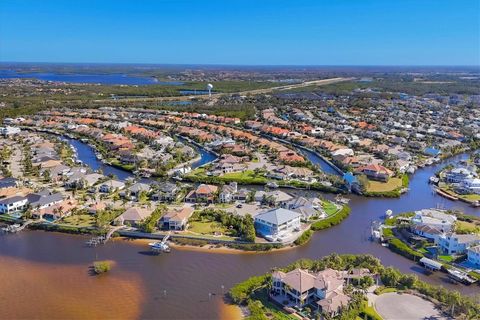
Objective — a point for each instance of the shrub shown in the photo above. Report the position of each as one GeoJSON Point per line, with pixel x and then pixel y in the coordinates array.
{"type": "Point", "coordinates": [332, 220]}
{"type": "Point", "coordinates": [100, 267]}
{"type": "Point", "coordinates": [403, 249]}
{"type": "Point", "coordinates": [304, 238]}
{"type": "Point", "coordinates": [241, 292]}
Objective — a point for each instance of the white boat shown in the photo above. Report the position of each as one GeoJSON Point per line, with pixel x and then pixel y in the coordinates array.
{"type": "Point", "coordinates": [272, 185]}
{"type": "Point", "coordinates": [160, 246]}
{"type": "Point", "coordinates": [342, 200]}
{"type": "Point", "coordinates": [460, 276]}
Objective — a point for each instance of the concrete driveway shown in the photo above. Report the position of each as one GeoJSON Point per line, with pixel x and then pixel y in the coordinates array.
{"type": "Point", "coordinates": [394, 306]}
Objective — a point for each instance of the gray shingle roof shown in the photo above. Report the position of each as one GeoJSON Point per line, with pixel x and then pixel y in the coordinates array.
{"type": "Point", "coordinates": [278, 216]}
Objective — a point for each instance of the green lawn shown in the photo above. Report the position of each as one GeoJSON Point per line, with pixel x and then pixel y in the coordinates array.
{"type": "Point", "coordinates": [448, 189]}
{"type": "Point", "coordinates": [470, 197]}
{"type": "Point", "coordinates": [370, 311]}
{"type": "Point", "coordinates": [81, 220]}
{"type": "Point", "coordinates": [391, 185]}
{"type": "Point", "coordinates": [244, 176]}
{"type": "Point", "coordinates": [382, 290]}
{"type": "Point", "coordinates": [329, 207]}
{"type": "Point", "coordinates": [446, 258]}
{"type": "Point", "coordinates": [466, 227]}
{"type": "Point", "coordinates": [206, 227]}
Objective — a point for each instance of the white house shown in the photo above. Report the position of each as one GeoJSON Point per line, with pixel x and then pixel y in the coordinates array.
{"type": "Point", "coordinates": [453, 243]}
{"type": "Point", "coordinates": [111, 185]}
{"type": "Point", "coordinates": [6, 131]}
{"type": "Point", "coordinates": [457, 175]}
{"type": "Point", "coordinates": [13, 204]}
{"type": "Point", "coordinates": [471, 185]}
{"type": "Point", "coordinates": [473, 255]}
{"type": "Point", "coordinates": [434, 218]}
{"type": "Point", "coordinates": [277, 222]}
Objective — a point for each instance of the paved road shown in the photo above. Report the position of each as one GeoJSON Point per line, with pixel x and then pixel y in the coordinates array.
{"type": "Point", "coordinates": [394, 306]}
{"type": "Point", "coordinates": [242, 93]}
{"type": "Point", "coordinates": [15, 165]}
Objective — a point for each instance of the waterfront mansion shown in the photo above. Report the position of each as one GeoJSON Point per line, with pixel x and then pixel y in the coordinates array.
{"type": "Point", "coordinates": [277, 222]}
{"type": "Point", "coordinates": [299, 288]}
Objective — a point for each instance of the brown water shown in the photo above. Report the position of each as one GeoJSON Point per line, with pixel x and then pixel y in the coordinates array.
{"type": "Point", "coordinates": [45, 275]}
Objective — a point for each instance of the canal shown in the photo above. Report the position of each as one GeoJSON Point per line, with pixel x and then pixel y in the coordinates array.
{"type": "Point", "coordinates": [39, 266]}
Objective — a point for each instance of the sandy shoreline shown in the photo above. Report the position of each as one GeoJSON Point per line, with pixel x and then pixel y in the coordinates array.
{"type": "Point", "coordinates": [210, 248]}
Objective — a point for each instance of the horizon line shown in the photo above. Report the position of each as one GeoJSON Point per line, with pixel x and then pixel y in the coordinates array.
{"type": "Point", "coordinates": [241, 64]}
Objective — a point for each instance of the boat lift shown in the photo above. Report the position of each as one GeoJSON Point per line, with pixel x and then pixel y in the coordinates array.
{"type": "Point", "coordinates": [160, 246]}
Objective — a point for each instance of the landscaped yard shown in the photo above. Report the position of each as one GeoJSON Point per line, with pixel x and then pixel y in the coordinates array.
{"type": "Point", "coordinates": [391, 185]}
{"type": "Point", "coordinates": [206, 227]}
{"type": "Point", "coordinates": [448, 189]}
{"type": "Point", "coordinates": [446, 258]}
{"type": "Point", "coordinates": [329, 207]}
{"type": "Point", "coordinates": [466, 227]}
{"type": "Point", "coordinates": [470, 197]}
{"type": "Point", "coordinates": [247, 176]}
{"type": "Point", "coordinates": [81, 220]}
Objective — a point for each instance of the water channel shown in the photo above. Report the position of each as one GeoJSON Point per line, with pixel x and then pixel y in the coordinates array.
{"type": "Point", "coordinates": [45, 275]}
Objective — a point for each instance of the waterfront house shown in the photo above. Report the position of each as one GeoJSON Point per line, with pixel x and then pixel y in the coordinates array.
{"type": "Point", "coordinates": [44, 199]}
{"type": "Point", "coordinates": [470, 186]}
{"type": "Point", "coordinates": [430, 232]}
{"type": "Point", "coordinates": [436, 220]}
{"type": "Point", "coordinates": [277, 222]}
{"type": "Point", "coordinates": [14, 204]}
{"type": "Point", "coordinates": [300, 288]}
{"type": "Point", "coordinates": [111, 186]}
{"type": "Point", "coordinates": [133, 216]}
{"type": "Point", "coordinates": [375, 172]}
{"type": "Point", "coordinates": [453, 243]}
{"type": "Point", "coordinates": [274, 198]}
{"type": "Point", "coordinates": [176, 219]}
{"type": "Point", "coordinates": [307, 207]}
{"type": "Point", "coordinates": [56, 211]}
{"type": "Point", "coordinates": [473, 255]}
{"type": "Point", "coordinates": [203, 193]}
{"type": "Point", "coordinates": [459, 175]}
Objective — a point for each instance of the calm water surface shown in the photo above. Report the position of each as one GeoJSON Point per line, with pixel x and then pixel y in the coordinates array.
{"type": "Point", "coordinates": [177, 285]}
{"type": "Point", "coordinates": [111, 79]}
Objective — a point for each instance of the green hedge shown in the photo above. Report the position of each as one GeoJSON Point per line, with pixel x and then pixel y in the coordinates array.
{"type": "Point", "coordinates": [304, 238]}
{"type": "Point", "coordinates": [398, 246]}
{"type": "Point", "coordinates": [387, 232]}
{"type": "Point", "coordinates": [331, 221]}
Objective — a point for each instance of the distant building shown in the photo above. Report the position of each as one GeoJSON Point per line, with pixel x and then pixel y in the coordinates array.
{"type": "Point", "coordinates": [7, 131]}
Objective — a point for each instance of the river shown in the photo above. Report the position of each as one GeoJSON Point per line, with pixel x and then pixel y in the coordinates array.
{"type": "Point", "coordinates": [93, 78]}
{"type": "Point", "coordinates": [45, 274]}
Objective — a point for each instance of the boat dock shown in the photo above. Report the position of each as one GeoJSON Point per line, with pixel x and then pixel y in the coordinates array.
{"type": "Point", "coordinates": [95, 241]}
{"type": "Point", "coordinates": [460, 276]}
{"type": "Point", "coordinates": [430, 264]}
{"type": "Point", "coordinates": [14, 228]}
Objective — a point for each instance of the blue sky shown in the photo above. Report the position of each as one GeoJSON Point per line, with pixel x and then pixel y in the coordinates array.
{"type": "Point", "coordinates": [336, 32]}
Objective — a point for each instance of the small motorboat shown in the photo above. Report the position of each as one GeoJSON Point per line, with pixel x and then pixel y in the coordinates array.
{"type": "Point", "coordinates": [272, 185]}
